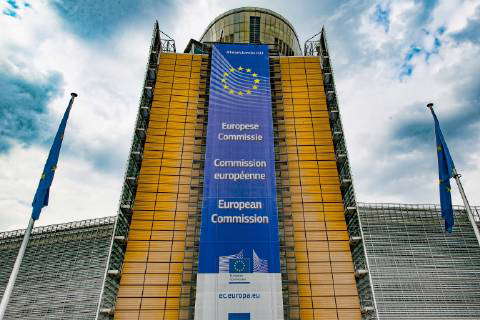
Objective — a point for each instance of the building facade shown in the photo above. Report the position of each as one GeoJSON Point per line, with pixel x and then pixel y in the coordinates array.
{"type": "Point", "coordinates": [417, 270]}
{"type": "Point", "coordinates": [62, 273]}
{"type": "Point", "coordinates": [162, 199]}
{"type": "Point", "coordinates": [338, 259]}
{"type": "Point", "coordinates": [254, 25]}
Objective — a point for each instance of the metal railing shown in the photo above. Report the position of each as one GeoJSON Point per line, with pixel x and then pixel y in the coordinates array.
{"type": "Point", "coordinates": [50, 229]}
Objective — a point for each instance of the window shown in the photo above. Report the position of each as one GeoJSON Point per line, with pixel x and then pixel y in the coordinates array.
{"type": "Point", "coordinates": [254, 29]}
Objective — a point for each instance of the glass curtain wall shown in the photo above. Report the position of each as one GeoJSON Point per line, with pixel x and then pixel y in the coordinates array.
{"type": "Point", "coordinates": [254, 25]}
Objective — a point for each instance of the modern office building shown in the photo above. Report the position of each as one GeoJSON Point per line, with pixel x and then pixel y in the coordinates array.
{"type": "Point", "coordinates": [417, 271]}
{"type": "Point", "coordinates": [254, 25]}
{"type": "Point", "coordinates": [296, 244]}
{"type": "Point", "coordinates": [169, 177]}
{"type": "Point", "coordinates": [62, 273]}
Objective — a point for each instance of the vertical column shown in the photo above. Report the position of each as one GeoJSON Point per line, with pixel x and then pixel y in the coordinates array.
{"type": "Point", "coordinates": [151, 281]}
{"type": "Point", "coordinates": [325, 271]}
{"type": "Point", "coordinates": [190, 265]}
{"type": "Point", "coordinates": [284, 201]}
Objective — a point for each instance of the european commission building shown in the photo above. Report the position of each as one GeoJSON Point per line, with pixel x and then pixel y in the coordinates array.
{"type": "Point", "coordinates": [238, 204]}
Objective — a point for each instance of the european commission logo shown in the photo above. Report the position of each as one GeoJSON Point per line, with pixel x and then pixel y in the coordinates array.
{"type": "Point", "coordinates": [239, 266]}
{"type": "Point", "coordinates": [240, 81]}
{"type": "Point", "coordinates": [238, 263]}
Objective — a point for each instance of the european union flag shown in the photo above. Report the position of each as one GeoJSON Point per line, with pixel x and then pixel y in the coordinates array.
{"type": "Point", "coordinates": [43, 190]}
{"type": "Point", "coordinates": [446, 170]}
{"type": "Point", "coordinates": [239, 266]}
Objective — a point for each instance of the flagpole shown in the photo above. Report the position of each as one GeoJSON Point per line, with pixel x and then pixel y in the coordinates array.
{"type": "Point", "coordinates": [16, 268]}
{"type": "Point", "coordinates": [35, 213]}
{"type": "Point", "coordinates": [467, 205]}
{"type": "Point", "coordinates": [457, 176]}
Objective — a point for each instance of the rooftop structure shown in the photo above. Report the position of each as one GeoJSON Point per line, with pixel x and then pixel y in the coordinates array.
{"type": "Point", "coordinates": [254, 25]}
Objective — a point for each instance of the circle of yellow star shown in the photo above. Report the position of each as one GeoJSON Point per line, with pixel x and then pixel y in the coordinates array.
{"type": "Point", "coordinates": [240, 70]}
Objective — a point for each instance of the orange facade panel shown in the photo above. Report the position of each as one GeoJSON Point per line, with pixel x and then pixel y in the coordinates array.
{"type": "Point", "coordinates": [157, 273]}
{"type": "Point", "coordinates": [325, 273]}
{"type": "Point", "coordinates": [155, 265]}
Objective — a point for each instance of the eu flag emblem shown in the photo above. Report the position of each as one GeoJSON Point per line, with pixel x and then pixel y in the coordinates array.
{"type": "Point", "coordinates": [240, 81]}
{"type": "Point", "coordinates": [446, 170]}
{"type": "Point", "coordinates": [239, 266]}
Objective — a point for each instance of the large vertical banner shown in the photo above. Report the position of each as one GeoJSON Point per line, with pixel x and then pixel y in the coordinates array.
{"type": "Point", "coordinates": [239, 266]}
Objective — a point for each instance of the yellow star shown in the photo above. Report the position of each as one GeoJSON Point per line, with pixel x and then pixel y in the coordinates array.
{"type": "Point", "coordinates": [225, 86]}
{"type": "Point", "coordinates": [254, 87]}
{"type": "Point", "coordinates": [240, 93]}
{"type": "Point", "coordinates": [439, 148]}
{"type": "Point", "coordinates": [248, 70]}
{"type": "Point", "coordinates": [248, 91]}
{"type": "Point", "coordinates": [225, 74]}
{"type": "Point", "coordinates": [232, 69]}
{"type": "Point", "coordinates": [256, 80]}
{"type": "Point", "coordinates": [254, 74]}
{"type": "Point", "coordinates": [240, 68]}
{"type": "Point", "coordinates": [224, 80]}
{"type": "Point", "coordinates": [43, 176]}
{"type": "Point", "coordinates": [231, 91]}
{"type": "Point", "coordinates": [54, 168]}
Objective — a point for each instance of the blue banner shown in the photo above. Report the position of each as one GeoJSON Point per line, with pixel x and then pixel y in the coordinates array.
{"type": "Point", "coordinates": [239, 231]}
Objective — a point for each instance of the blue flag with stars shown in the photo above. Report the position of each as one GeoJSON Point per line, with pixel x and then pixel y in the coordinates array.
{"type": "Point", "coordinates": [446, 170]}
{"type": "Point", "coordinates": [43, 190]}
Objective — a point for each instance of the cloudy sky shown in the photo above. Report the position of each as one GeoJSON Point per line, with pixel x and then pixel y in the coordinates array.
{"type": "Point", "coordinates": [390, 58]}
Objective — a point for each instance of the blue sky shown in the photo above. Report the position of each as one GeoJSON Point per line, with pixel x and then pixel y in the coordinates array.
{"type": "Point", "coordinates": [390, 58]}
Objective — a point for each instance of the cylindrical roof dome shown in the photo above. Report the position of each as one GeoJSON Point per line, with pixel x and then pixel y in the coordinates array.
{"type": "Point", "coordinates": [254, 25]}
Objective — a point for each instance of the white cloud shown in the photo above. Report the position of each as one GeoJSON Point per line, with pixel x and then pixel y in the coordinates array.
{"type": "Point", "coordinates": [374, 102]}
{"type": "Point", "coordinates": [108, 80]}
{"type": "Point", "coordinates": [78, 190]}
{"type": "Point", "coordinates": [454, 14]}
{"type": "Point", "coordinates": [108, 77]}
